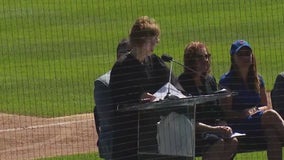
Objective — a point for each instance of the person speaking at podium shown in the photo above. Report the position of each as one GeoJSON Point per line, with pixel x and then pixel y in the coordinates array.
{"type": "Point", "coordinates": [213, 141]}
{"type": "Point", "coordinates": [134, 79]}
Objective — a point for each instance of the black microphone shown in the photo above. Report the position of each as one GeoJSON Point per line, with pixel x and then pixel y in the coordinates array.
{"type": "Point", "coordinates": [168, 58]}
{"type": "Point", "coordinates": [170, 79]}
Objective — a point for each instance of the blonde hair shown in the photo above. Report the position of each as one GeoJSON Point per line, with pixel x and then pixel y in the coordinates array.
{"type": "Point", "coordinates": [143, 28]}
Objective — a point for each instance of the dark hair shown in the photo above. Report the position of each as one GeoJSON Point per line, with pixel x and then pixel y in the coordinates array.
{"type": "Point", "coordinates": [123, 46]}
{"type": "Point", "coordinates": [143, 28]}
{"type": "Point", "coordinates": [252, 77]}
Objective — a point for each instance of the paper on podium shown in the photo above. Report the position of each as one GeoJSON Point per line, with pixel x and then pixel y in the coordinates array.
{"type": "Point", "coordinates": [236, 134]}
{"type": "Point", "coordinates": [168, 88]}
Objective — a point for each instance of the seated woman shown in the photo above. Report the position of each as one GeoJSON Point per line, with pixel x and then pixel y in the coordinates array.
{"type": "Point", "coordinates": [248, 112]}
{"type": "Point", "coordinates": [212, 141]}
{"type": "Point", "coordinates": [277, 94]}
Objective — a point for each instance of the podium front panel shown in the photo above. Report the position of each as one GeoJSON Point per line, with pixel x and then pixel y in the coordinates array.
{"type": "Point", "coordinates": [150, 114]}
{"type": "Point", "coordinates": [148, 139]}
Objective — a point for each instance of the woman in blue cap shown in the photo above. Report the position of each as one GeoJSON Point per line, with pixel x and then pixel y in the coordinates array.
{"type": "Point", "coordinates": [248, 112]}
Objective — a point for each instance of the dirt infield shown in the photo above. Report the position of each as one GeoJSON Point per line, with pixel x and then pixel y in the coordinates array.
{"type": "Point", "coordinates": [25, 138]}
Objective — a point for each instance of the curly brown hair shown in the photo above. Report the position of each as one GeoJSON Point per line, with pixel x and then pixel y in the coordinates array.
{"type": "Point", "coordinates": [192, 53]}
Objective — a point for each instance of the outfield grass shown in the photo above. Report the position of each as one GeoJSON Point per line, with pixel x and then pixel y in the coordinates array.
{"type": "Point", "coordinates": [52, 51]}
{"type": "Point", "coordinates": [90, 156]}
{"type": "Point", "coordinates": [94, 156]}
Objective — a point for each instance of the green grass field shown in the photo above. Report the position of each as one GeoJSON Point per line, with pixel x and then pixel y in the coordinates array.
{"type": "Point", "coordinates": [90, 156]}
{"type": "Point", "coordinates": [241, 156]}
{"type": "Point", "coordinates": [52, 51]}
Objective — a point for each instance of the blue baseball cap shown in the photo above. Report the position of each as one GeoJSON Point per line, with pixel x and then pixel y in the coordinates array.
{"type": "Point", "coordinates": [237, 45]}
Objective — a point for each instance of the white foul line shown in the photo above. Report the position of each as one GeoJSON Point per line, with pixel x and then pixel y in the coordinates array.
{"type": "Point", "coordinates": [42, 126]}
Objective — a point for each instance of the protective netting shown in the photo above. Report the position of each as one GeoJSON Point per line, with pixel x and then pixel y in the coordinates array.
{"type": "Point", "coordinates": [52, 52]}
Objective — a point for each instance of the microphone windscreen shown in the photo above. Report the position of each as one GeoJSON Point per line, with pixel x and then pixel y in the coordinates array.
{"type": "Point", "coordinates": [166, 58]}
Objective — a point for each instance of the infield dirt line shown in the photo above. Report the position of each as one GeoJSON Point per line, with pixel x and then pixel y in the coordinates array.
{"type": "Point", "coordinates": [41, 126]}
{"type": "Point", "coordinates": [27, 138]}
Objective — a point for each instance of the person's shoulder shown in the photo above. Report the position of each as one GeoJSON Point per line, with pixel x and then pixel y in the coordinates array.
{"type": "Point", "coordinates": [104, 79]}
{"type": "Point", "coordinates": [261, 80]}
{"type": "Point", "coordinates": [260, 77]}
{"type": "Point", "coordinates": [225, 77]}
{"type": "Point", "coordinates": [210, 77]}
{"type": "Point", "coordinates": [122, 59]}
{"type": "Point", "coordinates": [156, 61]}
{"type": "Point", "coordinates": [182, 76]}
{"type": "Point", "coordinates": [155, 58]}
{"type": "Point", "coordinates": [279, 81]}
{"type": "Point", "coordinates": [123, 62]}
{"type": "Point", "coordinates": [280, 78]}
{"type": "Point", "coordinates": [281, 75]}
{"type": "Point", "coordinates": [186, 79]}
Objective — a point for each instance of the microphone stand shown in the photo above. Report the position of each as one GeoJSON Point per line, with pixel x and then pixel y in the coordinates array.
{"type": "Point", "coordinates": [170, 79]}
{"type": "Point", "coordinates": [184, 66]}
{"type": "Point", "coordinates": [170, 59]}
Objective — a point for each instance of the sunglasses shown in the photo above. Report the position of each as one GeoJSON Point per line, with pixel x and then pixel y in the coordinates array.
{"type": "Point", "coordinates": [205, 56]}
{"type": "Point", "coordinates": [244, 53]}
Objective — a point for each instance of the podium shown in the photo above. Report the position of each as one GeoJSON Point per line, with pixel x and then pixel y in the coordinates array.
{"type": "Point", "coordinates": [149, 114]}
